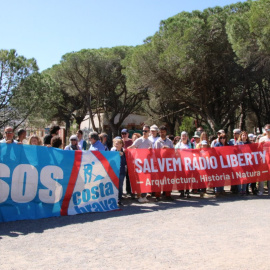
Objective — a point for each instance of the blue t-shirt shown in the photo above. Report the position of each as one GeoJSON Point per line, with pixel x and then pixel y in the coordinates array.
{"type": "Point", "coordinates": [97, 146]}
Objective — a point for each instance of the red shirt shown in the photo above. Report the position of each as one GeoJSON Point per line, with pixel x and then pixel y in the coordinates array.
{"type": "Point", "coordinates": [127, 143]}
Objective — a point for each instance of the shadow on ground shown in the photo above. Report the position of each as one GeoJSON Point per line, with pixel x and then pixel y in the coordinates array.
{"type": "Point", "coordinates": [131, 207]}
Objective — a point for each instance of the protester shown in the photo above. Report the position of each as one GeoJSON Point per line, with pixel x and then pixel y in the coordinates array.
{"type": "Point", "coordinates": [236, 134]}
{"type": "Point", "coordinates": [264, 139]}
{"type": "Point", "coordinates": [221, 131]}
{"type": "Point", "coordinates": [9, 134]}
{"type": "Point", "coordinates": [162, 143]}
{"type": "Point", "coordinates": [56, 142]}
{"type": "Point", "coordinates": [73, 143]}
{"type": "Point", "coordinates": [21, 135]}
{"type": "Point", "coordinates": [251, 137]}
{"type": "Point", "coordinates": [222, 141]}
{"type": "Point", "coordinates": [197, 135]}
{"type": "Point", "coordinates": [204, 144]}
{"type": "Point", "coordinates": [154, 135]}
{"type": "Point", "coordinates": [96, 144]}
{"type": "Point", "coordinates": [176, 140]}
{"type": "Point", "coordinates": [34, 140]}
{"type": "Point", "coordinates": [81, 142]}
{"type": "Point", "coordinates": [243, 139]}
{"type": "Point", "coordinates": [184, 143]}
{"type": "Point", "coordinates": [203, 137]}
{"type": "Point", "coordinates": [118, 145]}
{"type": "Point", "coordinates": [196, 138]}
{"type": "Point", "coordinates": [171, 137]}
{"type": "Point", "coordinates": [54, 130]}
{"type": "Point", "coordinates": [142, 143]}
{"type": "Point", "coordinates": [127, 142]}
{"type": "Point", "coordinates": [135, 136]}
{"type": "Point", "coordinates": [103, 139]}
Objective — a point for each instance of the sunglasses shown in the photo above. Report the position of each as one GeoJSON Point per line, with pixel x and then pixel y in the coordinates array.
{"type": "Point", "coordinates": [222, 138]}
{"type": "Point", "coordinates": [73, 140]}
{"type": "Point", "coordinates": [145, 131]}
{"type": "Point", "coordinates": [124, 133]}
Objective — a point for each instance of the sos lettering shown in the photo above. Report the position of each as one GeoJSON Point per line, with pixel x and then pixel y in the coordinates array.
{"type": "Point", "coordinates": [24, 184]}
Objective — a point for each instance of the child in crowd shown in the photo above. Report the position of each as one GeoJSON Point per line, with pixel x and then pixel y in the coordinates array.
{"type": "Point", "coordinates": [118, 145]}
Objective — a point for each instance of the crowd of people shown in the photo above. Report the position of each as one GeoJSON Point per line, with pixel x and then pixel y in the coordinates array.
{"type": "Point", "coordinates": [152, 137]}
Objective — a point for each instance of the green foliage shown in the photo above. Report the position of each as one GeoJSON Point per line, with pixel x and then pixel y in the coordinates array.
{"type": "Point", "coordinates": [189, 68]}
{"type": "Point", "coordinates": [187, 125]}
{"type": "Point", "coordinates": [16, 71]}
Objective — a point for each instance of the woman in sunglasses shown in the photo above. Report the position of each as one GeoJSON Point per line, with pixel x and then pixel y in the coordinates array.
{"type": "Point", "coordinates": [73, 143]}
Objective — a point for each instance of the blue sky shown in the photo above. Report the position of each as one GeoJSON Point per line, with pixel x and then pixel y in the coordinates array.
{"type": "Point", "coordinates": [46, 30]}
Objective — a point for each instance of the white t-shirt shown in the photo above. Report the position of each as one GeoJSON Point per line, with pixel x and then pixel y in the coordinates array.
{"type": "Point", "coordinates": [153, 140]}
{"type": "Point", "coordinates": [4, 141]}
{"type": "Point", "coordinates": [160, 143]}
{"type": "Point", "coordinates": [142, 143]}
{"type": "Point", "coordinates": [264, 139]}
{"type": "Point", "coordinates": [181, 145]}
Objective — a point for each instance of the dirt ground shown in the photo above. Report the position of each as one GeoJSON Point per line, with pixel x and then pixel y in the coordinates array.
{"type": "Point", "coordinates": [230, 232]}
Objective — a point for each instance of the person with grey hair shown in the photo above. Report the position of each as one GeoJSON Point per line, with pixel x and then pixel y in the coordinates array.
{"type": "Point", "coordinates": [103, 138]}
{"type": "Point", "coordinates": [73, 143]}
{"type": "Point", "coordinates": [236, 135]}
{"type": "Point", "coordinates": [96, 145]}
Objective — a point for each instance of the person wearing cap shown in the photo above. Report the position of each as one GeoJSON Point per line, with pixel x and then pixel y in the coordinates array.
{"type": "Point", "coordinates": [142, 143]}
{"type": "Point", "coordinates": [221, 131]}
{"type": "Point", "coordinates": [196, 138]}
{"type": "Point", "coordinates": [127, 142]}
{"type": "Point", "coordinates": [73, 143]}
{"type": "Point", "coordinates": [9, 134]}
{"type": "Point", "coordinates": [154, 135]}
{"type": "Point", "coordinates": [236, 134]}
{"type": "Point", "coordinates": [96, 145]}
{"type": "Point", "coordinates": [264, 139]}
{"type": "Point", "coordinates": [162, 143]}
{"type": "Point", "coordinates": [184, 143]}
{"type": "Point", "coordinates": [251, 137]}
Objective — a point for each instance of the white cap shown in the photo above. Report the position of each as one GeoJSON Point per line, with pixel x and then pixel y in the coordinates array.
{"type": "Point", "coordinates": [154, 128]}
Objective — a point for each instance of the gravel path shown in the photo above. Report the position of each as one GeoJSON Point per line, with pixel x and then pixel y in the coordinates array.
{"type": "Point", "coordinates": [225, 233]}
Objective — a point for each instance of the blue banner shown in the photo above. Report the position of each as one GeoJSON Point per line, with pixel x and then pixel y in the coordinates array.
{"type": "Point", "coordinates": [39, 182]}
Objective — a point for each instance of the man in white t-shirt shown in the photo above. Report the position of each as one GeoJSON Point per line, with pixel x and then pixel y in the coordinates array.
{"type": "Point", "coordinates": [264, 139]}
{"type": "Point", "coordinates": [154, 135]}
{"type": "Point", "coordinates": [142, 143]}
{"type": "Point", "coordinates": [9, 134]}
{"type": "Point", "coordinates": [162, 143]}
